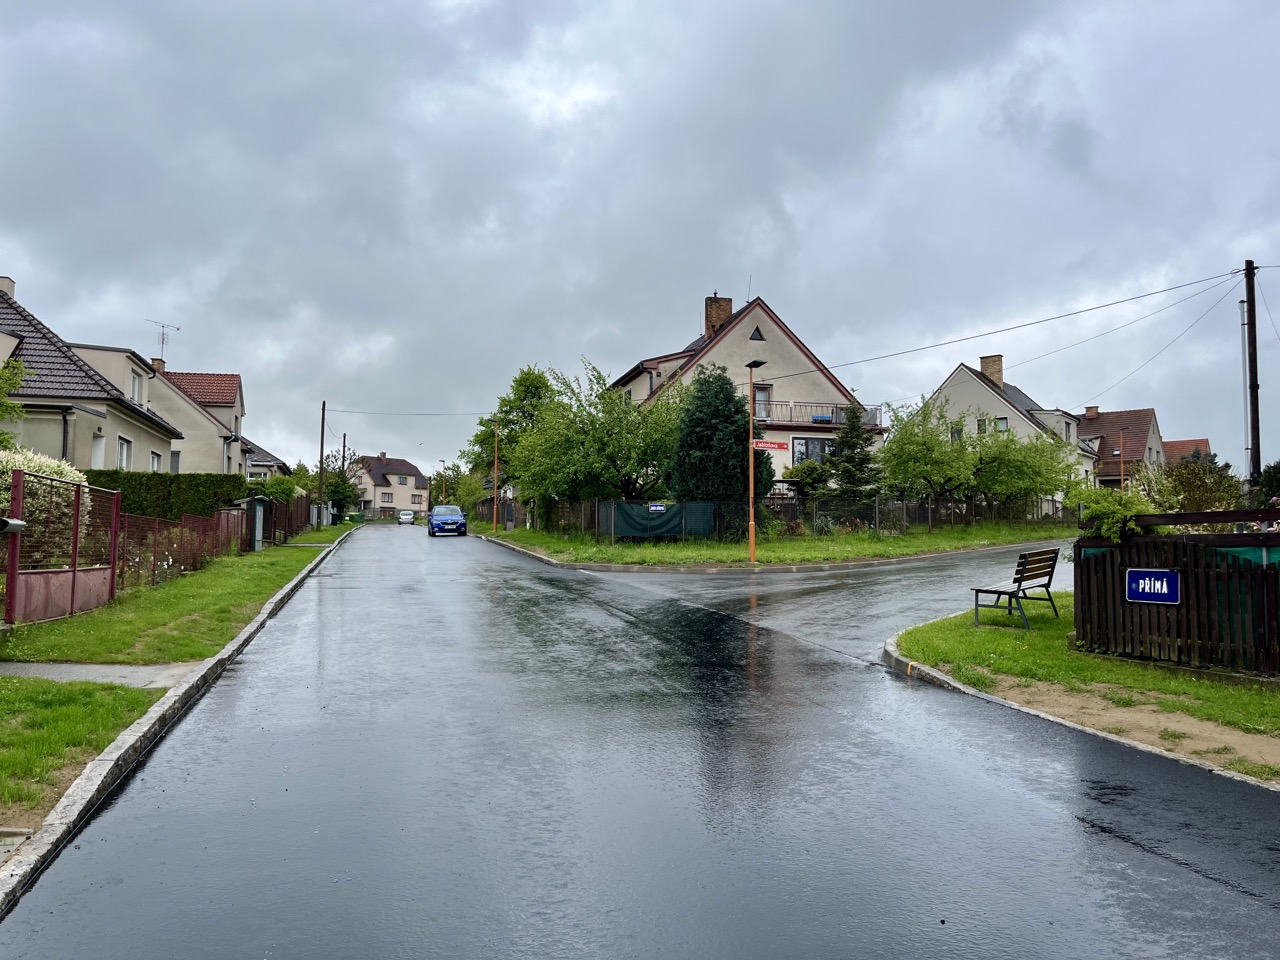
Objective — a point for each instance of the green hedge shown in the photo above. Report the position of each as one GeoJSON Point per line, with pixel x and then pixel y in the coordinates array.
{"type": "Point", "coordinates": [170, 495]}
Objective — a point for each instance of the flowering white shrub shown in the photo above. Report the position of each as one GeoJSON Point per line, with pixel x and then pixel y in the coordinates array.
{"type": "Point", "coordinates": [32, 462]}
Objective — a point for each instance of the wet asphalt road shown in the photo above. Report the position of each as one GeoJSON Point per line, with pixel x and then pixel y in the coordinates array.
{"type": "Point", "coordinates": [441, 749]}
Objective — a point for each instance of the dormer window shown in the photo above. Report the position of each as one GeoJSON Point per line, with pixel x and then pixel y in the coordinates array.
{"type": "Point", "coordinates": [135, 386]}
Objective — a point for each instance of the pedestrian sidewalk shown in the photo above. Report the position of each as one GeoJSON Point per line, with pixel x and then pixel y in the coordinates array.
{"type": "Point", "coordinates": [151, 675]}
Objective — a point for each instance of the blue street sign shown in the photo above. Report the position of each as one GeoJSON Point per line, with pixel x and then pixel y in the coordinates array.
{"type": "Point", "coordinates": [1152, 586]}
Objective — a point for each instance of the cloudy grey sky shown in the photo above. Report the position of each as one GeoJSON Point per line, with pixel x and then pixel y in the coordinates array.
{"type": "Point", "coordinates": [392, 206]}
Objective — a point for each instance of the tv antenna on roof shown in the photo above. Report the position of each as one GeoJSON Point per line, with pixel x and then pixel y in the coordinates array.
{"type": "Point", "coordinates": [163, 335]}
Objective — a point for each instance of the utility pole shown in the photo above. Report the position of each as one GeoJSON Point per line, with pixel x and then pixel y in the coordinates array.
{"type": "Point", "coordinates": [1251, 346]}
{"type": "Point", "coordinates": [320, 478]}
{"type": "Point", "coordinates": [495, 474]}
{"type": "Point", "coordinates": [344, 455]}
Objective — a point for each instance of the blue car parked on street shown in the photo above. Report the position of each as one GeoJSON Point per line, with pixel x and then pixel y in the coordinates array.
{"type": "Point", "coordinates": [447, 519]}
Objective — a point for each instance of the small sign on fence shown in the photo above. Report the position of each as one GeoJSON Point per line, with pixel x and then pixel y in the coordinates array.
{"type": "Point", "coordinates": [769, 444]}
{"type": "Point", "coordinates": [1152, 586]}
{"type": "Point", "coordinates": [657, 508]}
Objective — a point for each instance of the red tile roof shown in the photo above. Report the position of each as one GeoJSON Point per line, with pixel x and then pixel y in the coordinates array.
{"type": "Point", "coordinates": [211, 389]}
{"type": "Point", "coordinates": [1175, 450]}
{"type": "Point", "coordinates": [1130, 427]}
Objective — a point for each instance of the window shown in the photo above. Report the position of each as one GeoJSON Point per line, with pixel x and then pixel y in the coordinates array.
{"type": "Point", "coordinates": [386, 498]}
{"type": "Point", "coordinates": [135, 387]}
{"type": "Point", "coordinates": [982, 426]}
{"type": "Point", "coordinates": [124, 453]}
{"type": "Point", "coordinates": [155, 462]}
{"type": "Point", "coordinates": [811, 448]}
{"type": "Point", "coordinates": [1002, 424]}
{"type": "Point", "coordinates": [762, 402]}
{"type": "Point", "coordinates": [1066, 431]}
{"type": "Point", "coordinates": [175, 457]}
{"type": "Point", "coordinates": [957, 434]}
{"type": "Point", "coordinates": [416, 498]}
{"type": "Point", "coordinates": [627, 393]}
{"type": "Point", "coordinates": [402, 480]}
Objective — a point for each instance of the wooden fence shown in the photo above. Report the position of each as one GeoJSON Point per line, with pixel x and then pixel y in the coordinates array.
{"type": "Point", "coordinates": [1226, 615]}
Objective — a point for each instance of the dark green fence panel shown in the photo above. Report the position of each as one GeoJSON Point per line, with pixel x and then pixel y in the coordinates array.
{"type": "Point", "coordinates": [673, 520]}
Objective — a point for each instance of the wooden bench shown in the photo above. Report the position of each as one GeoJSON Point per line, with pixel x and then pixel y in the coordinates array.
{"type": "Point", "coordinates": [1034, 572]}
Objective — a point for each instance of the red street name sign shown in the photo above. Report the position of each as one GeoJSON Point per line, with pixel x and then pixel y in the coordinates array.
{"type": "Point", "coordinates": [769, 444]}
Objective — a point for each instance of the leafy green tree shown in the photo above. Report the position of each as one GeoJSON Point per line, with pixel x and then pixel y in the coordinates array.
{"type": "Point", "coordinates": [1270, 482]}
{"type": "Point", "coordinates": [1202, 483]}
{"type": "Point", "coordinates": [927, 453]}
{"type": "Point", "coordinates": [516, 414]}
{"type": "Point", "coordinates": [853, 460]}
{"type": "Point", "coordinates": [807, 478]}
{"type": "Point", "coordinates": [11, 411]}
{"type": "Point", "coordinates": [1008, 468]}
{"type": "Point", "coordinates": [278, 488]}
{"type": "Point", "coordinates": [339, 479]}
{"type": "Point", "coordinates": [708, 461]}
{"type": "Point", "coordinates": [449, 480]}
{"type": "Point", "coordinates": [591, 441]}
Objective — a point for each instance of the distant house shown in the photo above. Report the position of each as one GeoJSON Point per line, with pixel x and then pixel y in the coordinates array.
{"type": "Point", "coordinates": [262, 464]}
{"type": "Point", "coordinates": [210, 409]}
{"type": "Point", "coordinates": [987, 403]}
{"type": "Point", "coordinates": [797, 399]}
{"type": "Point", "coordinates": [386, 485]}
{"type": "Point", "coordinates": [76, 412]}
{"type": "Point", "coordinates": [1176, 450]}
{"type": "Point", "coordinates": [1123, 439]}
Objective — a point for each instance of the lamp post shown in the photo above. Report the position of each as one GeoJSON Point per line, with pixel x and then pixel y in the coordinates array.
{"type": "Point", "coordinates": [495, 474]}
{"type": "Point", "coordinates": [1120, 452]}
{"type": "Point", "coordinates": [444, 494]}
{"type": "Point", "coordinates": [751, 457]}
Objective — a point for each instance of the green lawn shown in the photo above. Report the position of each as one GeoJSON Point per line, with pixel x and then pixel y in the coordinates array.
{"type": "Point", "coordinates": [973, 654]}
{"type": "Point", "coordinates": [324, 535]}
{"type": "Point", "coordinates": [46, 727]}
{"type": "Point", "coordinates": [781, 550]}
{"type": "Point", "coordinates": [190, 618]}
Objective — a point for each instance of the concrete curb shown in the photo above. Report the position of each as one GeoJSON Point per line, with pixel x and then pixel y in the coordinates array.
{"type": "Point", "coordinates": [914, 670]}
{"type": "Point", "coordinates": [834, 567]}
{"type": "Point", "coordinates": [103, 774]}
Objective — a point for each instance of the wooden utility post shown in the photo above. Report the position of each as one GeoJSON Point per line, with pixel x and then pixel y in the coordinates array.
{"type": "Point", "coordinates": [495, 475]}
{"type": "Point", "coordinates": [320, 477]}
{"type": "Point", "coordinates": [751, 458]}
{"type": "Point", "coordinates": [1251, 347]}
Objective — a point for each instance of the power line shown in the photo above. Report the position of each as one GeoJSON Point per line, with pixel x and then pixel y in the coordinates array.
{"type": "Point", "coordinates": [1096, 336]}
{"type": "Point", "coordinates": [398, 413]}
{"type": "Point", "coordinates": [1016, 326]}
{"type": "Point", "coordinates": [1224, 296]}
{"type": "Point", "coordinates": [1258, 283]}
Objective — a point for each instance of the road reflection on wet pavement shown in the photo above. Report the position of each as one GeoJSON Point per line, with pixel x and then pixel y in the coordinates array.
{"type": "Point", "coordinates": [440, 748]}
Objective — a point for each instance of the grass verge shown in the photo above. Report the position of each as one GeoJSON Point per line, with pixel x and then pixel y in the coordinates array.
{"type": "Point", "coordinates": [187, 619]}
{"type": "Point", "coordinates": [324, 535]}
{"type": "Point", "coordinates": [580, 548]}
{"type": "Point", "coordinates": [49, 731]}
{"type": "Point", "coordinates": [974, 654]}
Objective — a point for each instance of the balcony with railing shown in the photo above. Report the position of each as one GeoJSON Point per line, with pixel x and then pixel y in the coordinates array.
{"type": "Point", "coordinates": [791, 413]}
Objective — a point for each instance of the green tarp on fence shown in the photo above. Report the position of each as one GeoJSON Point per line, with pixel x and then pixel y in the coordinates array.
{"type": "Point", "coordinates": [621, 519]}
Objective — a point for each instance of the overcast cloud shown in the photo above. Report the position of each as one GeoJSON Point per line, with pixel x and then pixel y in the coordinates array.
{"type": "Point", "coordinates": [393, 206]}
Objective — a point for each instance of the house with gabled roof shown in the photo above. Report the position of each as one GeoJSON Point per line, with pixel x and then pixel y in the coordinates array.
{"type": "Point", "coordinates": [1177, 450]}
{"type": "Point", "coordinates": [261, 463]}
{"type": "Point", "coordinates": [1123, 439]}
{"type": "Point", "coordinates": [984, 401]}
{"type": "Point", "coordinates": [74, 411]}
{"type": "Point", "coordinates": [386, 485]}
{"type": "Point", "coordinates": [797, 399]}
{"type": "Point", "coordinates": [210, 408]}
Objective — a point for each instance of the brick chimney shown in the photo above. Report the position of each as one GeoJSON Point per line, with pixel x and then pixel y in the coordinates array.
{"type": "Point", "coordinates": [158, 363]}
{"type": "Point", "coordinates": [1091, 413]}
{"type": "Point", "coordinates": [382, 455]}
{"type": "Point", "coordinates": [6, 285]}
{"type": "Point", "coordinates": [993, 368]}
{"type": "Point", "coordinates": [717, 312]}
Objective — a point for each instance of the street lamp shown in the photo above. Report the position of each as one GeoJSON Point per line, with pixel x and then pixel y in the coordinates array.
{"type": "Point", "coordinates": [494, 421]}
{"type": "Point", "coordinates": [1120, 454]}
{"type": "Point", "coordinates": [444, 494]}
{"type": "Point", "coordinates": [752, 367]}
